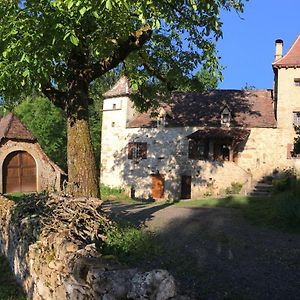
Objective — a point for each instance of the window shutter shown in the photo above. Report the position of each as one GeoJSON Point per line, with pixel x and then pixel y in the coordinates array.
{"type": "Point", "coordinates": [191, 149]}
{"type": "Point", "coordinates": [289, 151]}
{"type": "Point", "coordinates": [130, 150]}
{"type": "Point", "coordinates": [206, 149]}
{"type": "Point", "coordinates": [143, 149]}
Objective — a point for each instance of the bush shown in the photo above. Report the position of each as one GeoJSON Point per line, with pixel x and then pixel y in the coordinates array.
{"type": "Point", "coordinates": [130, 244]}
{"type": "Point", "coordinates": [281, 185]}
{"type": "Point", "coordinates": [234, 189]}
{"type": "Point", "coordinates": [287, 208]}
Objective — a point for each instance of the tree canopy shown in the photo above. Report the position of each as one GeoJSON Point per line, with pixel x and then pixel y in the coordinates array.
{"type": "Point", "coordinates": [61, 47]}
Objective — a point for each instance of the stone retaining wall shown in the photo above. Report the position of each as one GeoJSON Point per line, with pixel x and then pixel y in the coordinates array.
{"type": "Point", "coordinates": [52, 264]}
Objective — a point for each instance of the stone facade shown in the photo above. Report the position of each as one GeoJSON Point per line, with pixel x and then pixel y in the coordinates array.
{"type": "Point", "coordinates": [48, 174]}
{"type": "Point", "coordinates": [15, 138]}
{"type": "Point", "coordinates": [267, 115]}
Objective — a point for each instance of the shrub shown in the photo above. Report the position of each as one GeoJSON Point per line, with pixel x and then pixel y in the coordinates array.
{"type": "Point", "coordinates": [281, 185]}
{"type": "Point", "coordinates": [235, 188]}
{"type": "Point", "coordinates": [287, 208]}
{"type": "Point", "coordinates": [130, 244]}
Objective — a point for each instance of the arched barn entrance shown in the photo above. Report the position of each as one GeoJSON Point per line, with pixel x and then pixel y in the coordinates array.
{"type": "Point", "coordinates": [19, 173]}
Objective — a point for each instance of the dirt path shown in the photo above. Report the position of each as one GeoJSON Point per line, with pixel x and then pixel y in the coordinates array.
{"type": "Point", "coordinates": [218, 255]}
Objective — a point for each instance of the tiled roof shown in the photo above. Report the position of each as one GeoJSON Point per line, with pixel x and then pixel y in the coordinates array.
{"type": "Point", "coordinates": [237, 134]}
{"type": "Point", "coordinates": [292, 57]}
{"type": "Point", "coordinates": [248, 109]}
{"type": "Point", "coordinates": [121, 88]}
{"type": "Point", "coordinates": [12, 128]}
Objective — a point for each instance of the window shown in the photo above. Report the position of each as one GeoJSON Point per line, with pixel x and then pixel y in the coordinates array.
{"type": "Point", "coordinates": [297, 81]}
{"type": "Point", "coordinates": [161, 121]}
{"type": "Point", "coordinates": [198, 149]}
{"type": "Point", "coordinates": [296, 116]}
{"type": "Point", "coordinates": [114, 106]}
{"type": "Point", "coordinates": [225, 117]}
{"type": "Point", "coordinates": [137, 150]}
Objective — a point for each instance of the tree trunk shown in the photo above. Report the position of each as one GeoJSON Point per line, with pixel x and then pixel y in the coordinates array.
{"type": "Point", "coordinates": [82, 172]}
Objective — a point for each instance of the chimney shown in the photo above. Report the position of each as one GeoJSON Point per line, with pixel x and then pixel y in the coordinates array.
{"type": "Point", "coordinates": [278, 49]}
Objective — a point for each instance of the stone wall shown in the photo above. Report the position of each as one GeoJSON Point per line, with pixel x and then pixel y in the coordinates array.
{"type": "Point", "coordinates": [48, 173]}
{"type": "Point", "coordinates": [50, 244]}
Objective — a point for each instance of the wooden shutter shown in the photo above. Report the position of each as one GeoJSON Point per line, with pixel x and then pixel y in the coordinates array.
{"type": "Point", "coordinates": [206, 149]}
{"type": "Point", "coordinates": [192, 149]}
{"type": "Point", "coordinates": [130, 150]}
{"type": "Point", "coordinates": [143, 150]}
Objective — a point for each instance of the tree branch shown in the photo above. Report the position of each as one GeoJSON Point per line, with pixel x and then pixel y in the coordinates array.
{"type": "Point", "coordinates": [57, 97]}
{"type": "Point", "coordinates": [135, 41]}
{"type": "Point", "coordinates": [153, 71]}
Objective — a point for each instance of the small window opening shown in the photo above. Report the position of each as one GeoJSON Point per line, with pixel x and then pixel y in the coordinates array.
{"type": "Point", "coordinates": [296, 117]}
{"type": "Point", "coordinates": [225, 117]}
{"type": "Point", "coordinates": [114, 106]}
{"type": "Point", "coordinates": [297, 81]}
{"type": "Point", "coordinates": [113, 124]}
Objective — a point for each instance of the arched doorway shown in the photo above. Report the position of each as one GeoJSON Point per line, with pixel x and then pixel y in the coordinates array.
{"type": "Point", "coordinates": [19, 173]}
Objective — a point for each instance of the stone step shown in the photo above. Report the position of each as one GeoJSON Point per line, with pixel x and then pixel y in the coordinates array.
{"type": "Point", "coordinates": [261, 189]}
{"type": "Point", "coordinates": [259, 194]}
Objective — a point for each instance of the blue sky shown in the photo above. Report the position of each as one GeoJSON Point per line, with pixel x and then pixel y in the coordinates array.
{"type": "Point", "coordinates": [248, 45]}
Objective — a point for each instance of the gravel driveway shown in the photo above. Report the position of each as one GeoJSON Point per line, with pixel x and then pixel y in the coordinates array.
{"type": "Point", "coordinates": [217, 254]}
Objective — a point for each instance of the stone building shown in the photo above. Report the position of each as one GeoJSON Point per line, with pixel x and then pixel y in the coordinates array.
{"type": "Point", "coordinates": [202, 143]}
{"type": "Point", "coordinates": [24, 165]}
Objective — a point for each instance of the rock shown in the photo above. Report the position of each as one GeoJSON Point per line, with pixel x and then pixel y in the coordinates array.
{"type": "Point", "coordinates": [156, 285]}
{"type": "Point", "coordinates": [71, 247]}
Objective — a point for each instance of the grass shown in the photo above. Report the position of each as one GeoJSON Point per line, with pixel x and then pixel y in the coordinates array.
{"type": "Point", "coordinates": [130, 244]}
{"type": "Point", "coordinates": [280, 211]}
{"type": "Point", "coordinates": [9, 289]}
{"type": "Point", "coordinates": [115, 194]}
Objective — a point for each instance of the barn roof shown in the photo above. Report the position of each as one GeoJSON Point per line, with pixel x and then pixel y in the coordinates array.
{"type": "Point", "coordinates": [12, 128]}
{"type": "Point", "coordinates": [253, 108]}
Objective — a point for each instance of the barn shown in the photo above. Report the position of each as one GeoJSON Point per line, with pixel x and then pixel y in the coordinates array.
{"type": "Point", "coordinates": [24, 166]}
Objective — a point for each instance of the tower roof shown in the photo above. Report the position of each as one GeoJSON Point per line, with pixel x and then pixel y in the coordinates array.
{"type": "Point", "coordinates": [121, 88]}
{"type": "Point", "coordinates": [291, 58]}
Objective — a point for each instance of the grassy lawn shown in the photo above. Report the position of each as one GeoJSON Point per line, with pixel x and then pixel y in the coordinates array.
{"type": "Point", "coordinates": [280, 211]}
{"type": "Point", "coordinates": [9, 289]}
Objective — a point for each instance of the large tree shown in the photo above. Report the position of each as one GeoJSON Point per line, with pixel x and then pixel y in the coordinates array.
{"type": "Point", "coordinates": [61, 47]}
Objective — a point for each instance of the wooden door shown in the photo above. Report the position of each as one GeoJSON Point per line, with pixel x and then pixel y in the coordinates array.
{"type": "Point", "coordinates": [186, 183]}
{"type": "Point", "coordinates": [158, 186]}
{"type": "Point", "coordinates": [19, 173]}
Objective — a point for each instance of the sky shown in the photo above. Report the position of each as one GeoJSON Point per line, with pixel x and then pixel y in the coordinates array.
{"type": "Point", "coordinates": [248, 46]}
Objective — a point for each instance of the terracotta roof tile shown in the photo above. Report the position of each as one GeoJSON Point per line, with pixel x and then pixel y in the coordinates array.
{"type": "Point", "coordinates": [121, 88]}
{"type": "Point", "coordinates": [291, 58]}
{"type": "Point", "coordinates": [12, 128]}
{"type": "Point", "coordinates": [237, 134]}
{"type": "Point", "coordinates": [248, 109]}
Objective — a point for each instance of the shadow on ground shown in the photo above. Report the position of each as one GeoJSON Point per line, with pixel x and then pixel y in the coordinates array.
{"type": "Point", "coordinates": [216, 253]}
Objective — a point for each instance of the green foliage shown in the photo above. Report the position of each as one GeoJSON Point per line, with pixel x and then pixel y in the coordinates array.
{"type": "Point", "coordinates": [130, 244]}
{"type": "Point", "coordinates": [48, 124]}
{"type": "Point", "coordinates": [281, 185]}
{"type": "Point", "coordinates": [39, 36]}
{"type": "Point", "coordinates": [234, 189]}
{"type": "Point", "coordinates": [115, 194]}
{"type": "Point", "coordinates": [287, 208]}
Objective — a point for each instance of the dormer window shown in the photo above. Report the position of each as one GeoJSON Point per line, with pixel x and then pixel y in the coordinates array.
{"type": "Point", "coordinates": [161, 121]}
{"type": "Point", "coordinates": [225, 117]}
{"type": "Point", "coordinates": [161, 118]}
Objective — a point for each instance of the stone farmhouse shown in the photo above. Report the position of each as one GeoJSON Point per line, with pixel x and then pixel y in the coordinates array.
{"type": "Point", "coordinates": [201, 143]}
{"type": "Point", "coordinates": [24, 167]}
